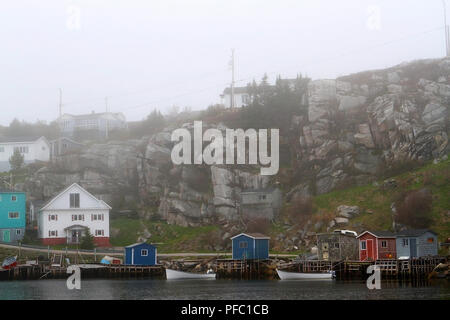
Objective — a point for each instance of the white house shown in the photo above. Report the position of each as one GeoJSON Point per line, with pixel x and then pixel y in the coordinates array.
{"type": "Point", "coordinates": [68, 216]}
{"type": "Point", "coordinates": [240, 94]}
{"type": "Point", "coordinates": [94, 123]}
{"type": "Point", "coordinates": [32, 149]}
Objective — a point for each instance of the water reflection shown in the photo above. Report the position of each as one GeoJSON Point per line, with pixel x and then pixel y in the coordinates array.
{"type": "Point", "coordinates": [223, 289]}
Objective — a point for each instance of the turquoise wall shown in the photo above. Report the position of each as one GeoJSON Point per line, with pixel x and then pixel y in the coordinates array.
{"type": "Point", "coordinates": [7, 205]}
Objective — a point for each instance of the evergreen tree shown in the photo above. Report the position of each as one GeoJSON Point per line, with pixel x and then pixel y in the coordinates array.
{"type": "Point", "coordinates": [16, 160]}
{"type": "Point", "coordinates": [87, 242]}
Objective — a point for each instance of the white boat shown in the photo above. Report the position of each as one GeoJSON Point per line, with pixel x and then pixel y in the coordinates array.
{"type": "Point", "coordinates": [179, 275]}
{"type": "Point", "coordinates": [284, 275]}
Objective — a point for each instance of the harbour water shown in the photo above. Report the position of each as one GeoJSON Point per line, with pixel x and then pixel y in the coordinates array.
{"type": "Point", "coordinates": [221, 289]}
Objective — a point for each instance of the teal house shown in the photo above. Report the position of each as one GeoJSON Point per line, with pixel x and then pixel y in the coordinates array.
{"type": "Point", "coordinates": [12, 216]}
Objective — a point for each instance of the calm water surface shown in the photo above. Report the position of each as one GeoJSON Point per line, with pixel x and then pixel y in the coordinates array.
{"type": "Point", "coordinates": [220, 289]}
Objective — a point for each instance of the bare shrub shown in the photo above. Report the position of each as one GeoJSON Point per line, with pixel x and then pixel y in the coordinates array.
{"type": "Point", "coordinates": [414, 208]}
{"type": "Point", "coordinates": [260, 225]}
{"type": "Point", "coordinates": [300, 210]}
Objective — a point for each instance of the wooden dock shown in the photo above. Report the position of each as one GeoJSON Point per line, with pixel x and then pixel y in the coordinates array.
{"type": "Point", "coordinates": [28, 272]}
{"type": "Point", "coordinates": [245, 269]}
{"type": "Point", "coordinates": [415, 268]}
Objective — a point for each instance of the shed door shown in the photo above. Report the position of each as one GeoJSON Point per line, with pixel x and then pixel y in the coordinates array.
{"type": "Point", "coordinates": [6, 236]}
{"type": "Point", "coordinates": [370, 249]}
{"type": "Point", "coordinates": [412, 248]}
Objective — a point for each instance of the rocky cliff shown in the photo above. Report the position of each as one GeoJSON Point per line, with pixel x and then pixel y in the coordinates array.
{"type": "Point", "coordinates": [357, 127]}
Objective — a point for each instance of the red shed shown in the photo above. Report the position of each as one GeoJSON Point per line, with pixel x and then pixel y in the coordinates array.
{"type": "Point", "coordinates": [375, 245]}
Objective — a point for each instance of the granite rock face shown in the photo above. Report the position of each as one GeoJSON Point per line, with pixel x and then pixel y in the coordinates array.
{"type": "Point", "coordinates": [356, 127]}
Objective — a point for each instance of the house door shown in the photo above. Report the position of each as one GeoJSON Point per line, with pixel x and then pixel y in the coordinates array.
{"type": "Point", "coordinates": [6, 235]}
{"type": "Point", "coordinates": [75, 236]}
{"type": "Point", "coordinates": [370, 254]}
{"type": "Point", "coordinates": [412, 248]}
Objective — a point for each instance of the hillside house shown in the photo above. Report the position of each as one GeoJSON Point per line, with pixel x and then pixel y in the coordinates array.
{"type": "Point", "coordinates": [33, 149]}
{"type": "Point", "coordinates": [261, 203]}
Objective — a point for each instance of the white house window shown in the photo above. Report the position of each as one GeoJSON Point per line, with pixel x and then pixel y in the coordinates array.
{"type": "Point", "coordinates": [363, 245]}
{"type": "Point", "coordinates": [21, 149]}
{"type": "Point", "coordinates": [74, 200]}
{"type": "Point", "coordinates": [53, 233]}
{"type": "Point", "coordinates": [384, 244]}
{"type": "Point", "coordinates": [18, 232]}
{"type": "Point", "coordinates": [405, 242]}
{"type": "Point", "coordinates": [99, 233]}
{"type": "Point", "coordinates": [13, 198]}
{"type": "Point", "coordinates": [13, 215]}
{"type": "Point", "coordinates": [53, 217]}
{"type": "Point", "coordinates": [144, 252]}
{"type": "Point", "coordinates": [243, 245]}
{"type": "Point", "coordinates": [78, 217]}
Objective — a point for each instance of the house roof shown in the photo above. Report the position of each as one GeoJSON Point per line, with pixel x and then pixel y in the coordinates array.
{"type": "Point", "coordinates": [379, 234]}
{"type": "Point", "coordinates": [2, 190]}
{"type": "Point", "coordinates": [64, 191]}
{"type": "Point", "coordinates": [235, 90]}
{"type": "Point", "coordinates": [414, 232]}
{"type": "Point", "coordinates": [94, 115]}
{"type": "Point", "coordinates": [137, 244]}
{"type": "Point", "coordinates": [20, 139]}
{"type": "Point", "coordinates": [254, 235]}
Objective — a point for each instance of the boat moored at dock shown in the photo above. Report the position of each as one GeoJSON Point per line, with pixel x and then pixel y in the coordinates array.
{"type": "Point", "coordinates": [284, 275]}
{"type": "Point", "coordinates": [180, 275]}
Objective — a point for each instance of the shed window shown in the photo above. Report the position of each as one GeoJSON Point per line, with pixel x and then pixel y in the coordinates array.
{"type": "Point", "coordinates": [363, 245]}
{"type": "Point", "coordinates": [13, 198]}
{"type": "Point", "coordinates": [144, 252]}
{"type": "Point", "coordinates": [243, 245]}
{"type": "Point", "coordinates": [430, 240]}
{"type": "Point", "coordinates": [384, 244]}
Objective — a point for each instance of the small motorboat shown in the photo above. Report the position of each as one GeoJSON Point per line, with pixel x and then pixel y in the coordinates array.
{"type": "Point", "coordinates": [180, 275]}
{"type": "Point", "coordinates": [9, 263]}
{"type": "Point", "coordinates": [284, 275]}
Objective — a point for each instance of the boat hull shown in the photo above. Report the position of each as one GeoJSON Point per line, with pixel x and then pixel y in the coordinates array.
{"type": "Point", "coordinates": [9, 263]}
{"type": "Point", "coordinates": [180, 275]}
{"type": "Point", "coordinates": [284, 275]}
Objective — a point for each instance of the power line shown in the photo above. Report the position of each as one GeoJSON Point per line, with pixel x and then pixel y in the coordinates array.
{"type": "Point", "coordinates": [249, 78]}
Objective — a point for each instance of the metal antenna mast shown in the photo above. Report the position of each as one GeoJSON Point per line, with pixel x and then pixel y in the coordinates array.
{"type": "Point", "coordinates": [447, 48]}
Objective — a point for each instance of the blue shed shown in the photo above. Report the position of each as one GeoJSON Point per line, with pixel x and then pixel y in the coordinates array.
{"type": "Point", "coordinates": [416, 243]}
{"type": "Point", "coordinates": [250, 246]}
{"type": "Point", "coordinates": [141, 254]}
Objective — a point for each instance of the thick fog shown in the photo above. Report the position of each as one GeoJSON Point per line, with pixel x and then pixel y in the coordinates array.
{"type": "Point", "coordinates": [156, 54]}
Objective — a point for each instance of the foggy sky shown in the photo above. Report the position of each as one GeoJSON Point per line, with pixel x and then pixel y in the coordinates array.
{"type": "Point", "coordinates": [155, 54]}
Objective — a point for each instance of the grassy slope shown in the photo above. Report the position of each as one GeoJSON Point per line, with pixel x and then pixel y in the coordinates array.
{"type": "Point", "coordinates": [436, 177]}
{"type": "Point", "coordinates": [170, 238]}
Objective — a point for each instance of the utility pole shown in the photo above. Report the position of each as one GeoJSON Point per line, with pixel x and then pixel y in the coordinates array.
{"type": "Point", "coordinates": [60, 102]}
{"type": "Point", "coordinates": [447, 48]}
{"type": "Point", "coordinates": [232, 79]}
{"type": "Point", "coordinates": [106, 116]}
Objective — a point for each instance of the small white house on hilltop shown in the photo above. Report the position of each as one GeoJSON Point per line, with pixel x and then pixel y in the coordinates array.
{"type": "Point", "coordinates": [32, 149]}
{"type": "Point", "coordinates": [67, 217]}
